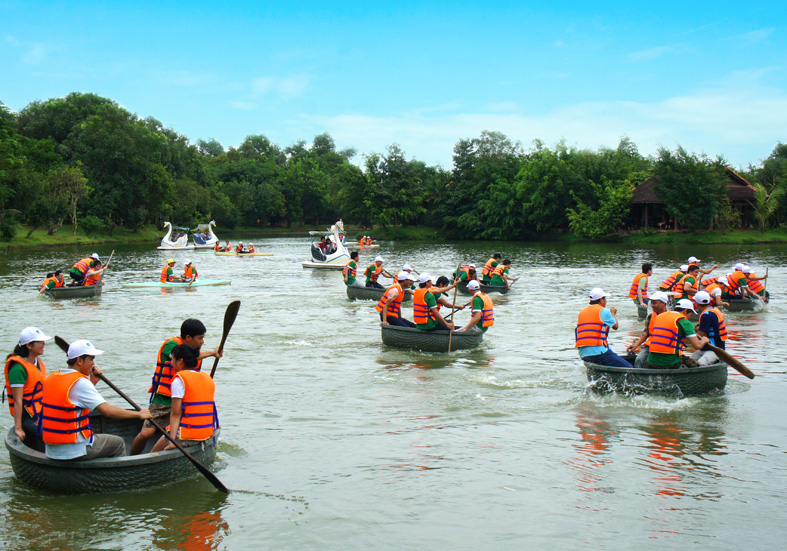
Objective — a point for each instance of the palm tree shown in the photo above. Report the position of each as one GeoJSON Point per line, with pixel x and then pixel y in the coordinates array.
{"type": "Point", "coordinates": [765, 203]}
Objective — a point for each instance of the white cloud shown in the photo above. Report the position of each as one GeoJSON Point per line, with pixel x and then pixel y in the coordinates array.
{"type": "Point", "coordinates": [245, 105]}
{"type": "Point", "coordinates": [12, 40]}
{"type": "Point", "coordinates": [284, 87]}
{"type": "Point", "coordinates": [755, 36]}
{"type": "Point", "coordinates": [651, 53]}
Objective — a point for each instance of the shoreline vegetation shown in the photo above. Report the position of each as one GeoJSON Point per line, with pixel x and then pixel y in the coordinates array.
{"type": "Point", "coordinates": [152, 235]}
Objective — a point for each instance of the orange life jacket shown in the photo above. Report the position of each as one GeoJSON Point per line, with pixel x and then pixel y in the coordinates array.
{"type": "Point", "coordinates": [722, 327]}
{"type": "Point", "coordinates": [373, 272]}
{"type": "Point", "coordinates": [189, 271]}
{"type": "Point", "coordinates": [61, 420]}
{"type": "Point", "coordinates": [710, 281]}
{"type": "Point", "coordinates": [635, 286]}
{"type": "Point", "coordinates": [33, 389]}
{"type": "Point", "coordinates": [713, 286]}
{"type": "Point", "coordinates": [678, 290]}
{"type": "Point", "coordinates": [670, 282]}
{"type": "Point", "coordinates": [350, 272]}
{"type": "Point", "coordinates": [251, 248]}
{"type": "Point", "coordinates": [162, 376]}
{"type": "Point", "coordinates": [733, 280]}
{"type": "Point", "coordinates": [92, 280]}
{"type": "Point", "coordinates": [498, 270]}
{"type": "Point", "coordinates": [487, 269]}
{"type": "Point", "coordinates": [164, 277]}
{"type": "Point", "coordinates": [199, 416]}
{"type": "Point", "coordinates": [591, 331]}
{"type": "Point", "coordinates": [239, 249]}
{"type": "Point", "coordinates": [396, 305]}
{"type": "Point", "coordinates": [421, 311]}
{"type": "Point", "coordinates": [487, 312]}
{"type": "Point", "coordinates": [755, 285]}
{"type": "Point", "coordinates": [58, 283]}
{"type": "Point", "coordinates": [216, 246]}
{"type": "Point", "coordinates": [665, 338]}
{"type": "Point", "coordinates": [651, 325]}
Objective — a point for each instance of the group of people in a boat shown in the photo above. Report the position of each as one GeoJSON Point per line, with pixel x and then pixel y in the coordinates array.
{"type": "Point", "coordinates": [51, 410]}
{"type": "Point", "coordinates": [190, 274]}
{"type": "Point", "coordinates": [326, 245]}
{"type": "Point", "coordinates": [87, 271]}
{"type": "Point", "coordinates": [365, 241]}
{"type": "Point", "coordinates": [428, 298]}
{"type": "Point", "coordinates": [496, 271]}
{"type": "Point", "coordinates": [228, 248]}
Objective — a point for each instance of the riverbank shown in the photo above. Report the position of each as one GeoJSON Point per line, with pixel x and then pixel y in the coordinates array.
{"type": "Point", "coordinates": [707, 237]}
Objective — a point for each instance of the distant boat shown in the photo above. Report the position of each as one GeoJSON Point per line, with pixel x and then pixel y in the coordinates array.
{"type": "Point", "coordinates": [334, 261]}
{"type": "Point", "coordinates": [76, 291]}
{"type": "Point", "coordinates": [179, 244]}
{"type": "Point", "coordinates": [178, 284]}
{"type": "Point", "coordinates": [199, 241]}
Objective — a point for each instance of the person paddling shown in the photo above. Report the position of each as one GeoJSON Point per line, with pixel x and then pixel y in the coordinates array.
{"type": "Point", "coordinates": [81, 269]}
{"type": "Point", "coordinates": [426, 310]}
{"type": "Point", "coordinates": [482, 314]}
{"type": "Point", "coordinates": [639, 287]}
{"type": "Point", "coordinates": [593, 325]}
{"type": "Point", "coordinates": [52, 281]}
{"type": "Point", "coordinates": [167, 274]}
{"type": "Point", "coordinates": [390, 304]}
{"type": "Point", "coordinates": [190, 274]}
{"type": "Point", "coordinates": [658, 303]}
{"type": "Point", "coordinates": [712, 326]}
{"type": "Point", "coordinates": [669, 334]}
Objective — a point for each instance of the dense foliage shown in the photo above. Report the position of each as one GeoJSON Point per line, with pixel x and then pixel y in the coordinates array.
{"type": "Point", "coordinates": [86, 160]}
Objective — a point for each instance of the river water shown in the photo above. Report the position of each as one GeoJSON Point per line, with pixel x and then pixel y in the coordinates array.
{"type": "Point", "coordinates": [332, 441]}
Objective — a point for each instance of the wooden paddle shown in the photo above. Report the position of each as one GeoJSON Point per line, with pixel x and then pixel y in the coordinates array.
{"type": "Point", "coordinates": [465, 305]}
{"type": "Point", "coordinates": [229, 319]}
{"type": "Point", "coordinates": [727, 358]}
{"type": "Point", "coordinates": [453, 305]}
{"type": "Point", "coordinates": [100, 279]}
{"type": "Point", "coordinates": [200, 467]}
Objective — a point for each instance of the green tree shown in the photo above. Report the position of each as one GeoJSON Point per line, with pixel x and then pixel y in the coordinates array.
{"type": "Point", "coordinates": [766, 202]}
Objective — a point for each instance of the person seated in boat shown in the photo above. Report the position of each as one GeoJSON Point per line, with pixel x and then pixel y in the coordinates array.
{"type": "Point", "coordinates": [373, 272]}
{"type": "Point", "coordinates": [251, 248]}
{"type": "Point", "coordinates": [192, 333]}
{"type": "Point", "coordinates": [94, 275]}
{"type": "Point", "coordinates": [193, 417]}
{"type": "Point", "coordinates": [239, 249]}
{"type": "Point", "coordinates": [409, 269]}
{"type": "Point", "coordinates": [688, 284]}
{"type": "Point", "coordinates": [712, 326]}
{"type": "Point", "coordinates": [52, 281]}
{"type": "Point", "coordinates": [167, 275]}
{"type": "Point", "coordinates": [81, 269]}
{"type": "Point", "coordinates": [482, 314]}
{"type": "Point", "coordinates": [466, 273]}
{"type": "Point", "coordinates": [694, 261]}
{"type": "Point", "coordinates": [426, 310]}
{"type": "Point", "coordinates": [323, 245]}
{"type": "Point", "coordinates": [68, 399]}
{"type": "Point", "coordinates": [350, 271]}
{"type": "Point", "coordinates": [593, 325]}
{"type": "Point", "coordinates": [216, 247]}
{"type": "Point", "coordinates": [719, 291]}
{"type": "Point", "coordinates": [228, 247]}
{"type": "Point", "coordinates": [669, 283]}
{"type": "Point", "coordinates": [189, 272]}
{"type": "Point", "coordinates": [330, 246]}
{"type": "Point", "coordinates": [658, 304]}
{"type": "Point", "coordinates": [639, 287]}
{"type": "Point", "coordinates": [755, 283]}
{"type": "Point", "coordinates": [24, 384]}
{"type": "Point", "coordinates": [491, 264]}
{"type": "Point", "coordinates": [668, 336]}
{"type": "Point", "coordinates": [390, 304]}
{"type": "Point", "coordinates": [737, 282]}
{"type": "Point", "coordinates": [440, 290]}
{"type": "Point", "coordinates": [500, 275]}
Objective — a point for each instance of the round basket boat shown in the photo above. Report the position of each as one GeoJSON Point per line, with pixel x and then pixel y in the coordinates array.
{"type": "Point", "coordinates": [108, 474]}
{"type": "Point", "coordinates": [77, 291]}
{"type": "Point", "coordinates": [687, 381]}
{"type": "Point", "coordinates": [370, 293]}
{"type": "Point", "coordinates": [429, 341]}
{"type": "Point", "coordinates": [745, 305]}
{"type": "Point", "coordinates": [502, 289]}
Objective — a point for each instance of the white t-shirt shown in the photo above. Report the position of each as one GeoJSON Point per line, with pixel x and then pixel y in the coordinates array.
{"type": "Point", "coordinates": [83, 394]}
{"type": "Point", "coordinates": [177, 388]}
{"type": "Point", "coordinates": [716, 292]}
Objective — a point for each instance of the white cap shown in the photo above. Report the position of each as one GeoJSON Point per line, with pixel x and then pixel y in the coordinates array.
{"type": "Point", "coordinates": [94, 255]}
{"type": "Point", "coordinates": [240, 242]}
{"type": "Point", "coordinates": [702, 297]}
{"type": "Point", "coordinates": [250, 243]}
{"type": "Point", "coordinates": [724, 280]}
{"type": "Point", "coordinates": [379, 259]}
{"type": "Point", "coordinates": [473, 284]}
{"type": "Point", "coordinates": [684, 268]}
{"type": "Point", "coordinates": [424, 277]}
{"type": "Point", "coordinates": [746, 269]}
{"type": "Point", "coordinates": [598, 293]}
{"type": "Point", "coordinates": [693, 259]}
{"type": "Point", "coordinates": [739, 266]}
{"type": "Point", "coordinates": [401, 276]}
{"type": "Point", "coordinates": [407, 267]}
{"type": "Point", "coordinates": [82, 348]}
{"type": "Point", "coordinates": [471, 265]}
{"type": "Point", "coordinates": [685, 304]}
{"type": "Point", "coordinates": [187, 261]}
{"type": "Point", "coordinates": [661, 297]}
{"type": "Point", "coordinates": [32, 334]}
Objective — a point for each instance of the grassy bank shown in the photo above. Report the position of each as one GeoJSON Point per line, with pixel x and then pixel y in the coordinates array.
{"type": "Point", "coordinates": [737, 237]}
{"type": "Point", "coordinates": [64, 237]}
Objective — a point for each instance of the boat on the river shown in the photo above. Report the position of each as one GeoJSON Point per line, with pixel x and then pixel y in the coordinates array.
{"type": "Point", "coordinates": [370, 293]}
{"type": "Point", "coordinates": [745, 304]}
{"type": "Point", "coordinates": [235, 253]}
{"type": "Point", "coordinates": [76, 291]}
{"type": "Point", "coordinates": [107, 474]}
{"type": "Point", "coordinates": [334, 261]}
{"type": "Point", "coordinates": [412, 338]}
{"type": "Point", "coordinates": [502, 289]}
{"type": "Point", "coordinates": [203, 236]}
{"type": "Point", "coordinates": [178, 242]}
{"type": "Point", "coordinates": [686, 381]}
{"type": "Point", "coordinates": [176, 284]}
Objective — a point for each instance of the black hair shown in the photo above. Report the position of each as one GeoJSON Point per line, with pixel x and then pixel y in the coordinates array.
{"type": "Point", "coordinates": [497, 256]}
{"type": "Point", "coordinates": [354, 255]}
{"type": "Point", "coordinates": [188, 354]}
{"type": "Point", "coordinates": [20, 350]}
{"type": "Point", "coordinates": [442, 281]}
{"type": "Point", "coordinates": [72, 361]}
{"type": "Point", "coordinates": [50, 274]}
{"type": "Point", "coordinates": [597, 301]}
{"type": "Point", "coordinates": [192, 328]}
{"type": "Point", "coordinates": [693, 268]}
{"type": "Point", "coordinates": [646, 267]}
{"type": "Point", "coordinates": [424, 284]}
{"type": "Point", "coordinates": [506, 262]}
{"type": "Point", "coordinates": [58, 272]}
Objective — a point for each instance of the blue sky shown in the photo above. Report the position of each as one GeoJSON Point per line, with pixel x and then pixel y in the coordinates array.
{"type": "Point", "coordinates": [708, 76]}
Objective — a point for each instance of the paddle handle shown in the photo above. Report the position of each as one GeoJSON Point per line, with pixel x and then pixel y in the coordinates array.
{"type": "Point", "coordinates": [229, 318]}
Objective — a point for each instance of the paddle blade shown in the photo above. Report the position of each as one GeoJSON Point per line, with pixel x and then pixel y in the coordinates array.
{"type": "Point", "coordinates": [61, 343]}
{"type": "Point", "coordinates": [727, 358]}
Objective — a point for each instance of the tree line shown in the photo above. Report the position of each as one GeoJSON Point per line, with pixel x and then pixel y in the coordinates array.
{"type": "Point", "coordinates": [86, 160]}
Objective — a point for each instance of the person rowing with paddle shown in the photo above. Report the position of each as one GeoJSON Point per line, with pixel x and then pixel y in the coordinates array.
{"type": "Point", "coordinates": [52, 281]}
{"type": "Point", "coordinates": [193, 417]}
{"type": "Point", "coordinates": [491, 264]}
{"type": "Point", "coordinates": [390, 304]}
{"type": "Point", "coordinates": [192, 332]}
{"type": "Point", "coordinates": [69, 397]}
{"type": "Point", "coordinates": [712, 326]}
{"type": "Point", "coordinates": [83, 269]}
{"type": "Point", "coordinates": [694, 261]}
{"type": "Point", "coordinates": [94, 276]}
{"type": "Point", "coordinates": [374, 271]}
{"type": "Point", "coordinates": [593, 325]}
{"type": "Point", "coordinates": [167, 275]}
{"type": "Point", "coordinates": [190, 274]}
{"type": "Point", "coordinates": [718, 291]}
{"type": "Point", "coordinates": [482, 315]}
{"type": "Point", "coordinates": [466, 273]}
{"type": "Point", "coordinates": [688, 284]}
{"type": "Point", "coordinates": [658, 303]}
{"type": "Point", "coordinates": [350, 271]}
{"type": "Point", "coordinates": [669, 334]}
{"type": "Point", "coordinates": [426, 310]}
{"type": "Point", "coordinates": [755, 283]}
{"type": "Point", "coordinates": [500, 274]}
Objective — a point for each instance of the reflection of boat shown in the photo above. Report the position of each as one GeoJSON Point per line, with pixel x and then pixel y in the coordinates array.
{"type": "Point", "coordinates": [334, 261]}
{"type": "Point", "coordinates": [233, 253]}
{"type": "Point", "coordinates": [370, 293]}
{"type": "Point", "coordinates": [429, 341]}
{"type": "Point", "coordinates": [502, 289]}
{"type": "Point", "coordinates": [687, 381]}
{"type": "Point", "coordinates": [77, 291]}
{"type": "Point", "coordinates": [106, 474]}
{"type": "Point", "coordinates": [199, 241]}
{"type": "Point", "coordinates": [179, 244]}
{"type": "Point", "coordinates": [745, 305]}
{"type": "Point", "coordinates": [198, 283]}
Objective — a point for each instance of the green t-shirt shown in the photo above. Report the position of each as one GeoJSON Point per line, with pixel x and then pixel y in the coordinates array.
{"type": "Point", "coordinates": [464, 276]}
{"type": "Point", "coordinates": [693, 283]}
{"type": "Point", "coordinates": [166, 351]}
{"type": "Point", "coordinates": [369, 271]}
{"type": "Point", "coordinates": [478, 306]}
{"type": "Point", "coordinates": [686, 329]}
{"type": "Point", "coordinates": [17, 375]}
{"type": "Point", "coordinates": [352, 266]}
{"type": "Point", "coordinates": [51, 284]}
{"type": "Point", "coordinates": [431, 302]}
{"type": "Point", "coordinates": [498, 279]}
